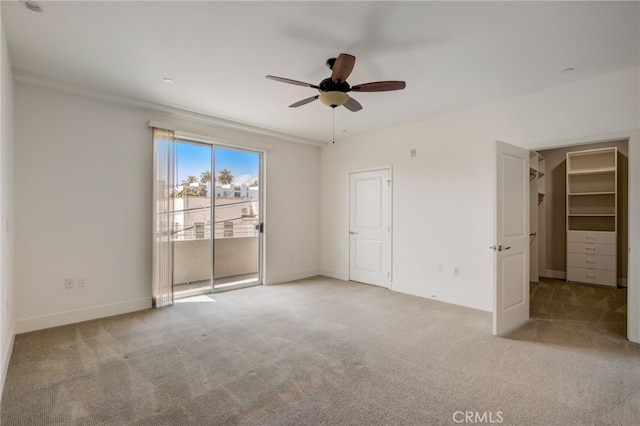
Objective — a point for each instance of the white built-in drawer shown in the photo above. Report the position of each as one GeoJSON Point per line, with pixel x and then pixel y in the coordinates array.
{"type": "Point", "coordinates": [591, 261]}
{"type": "Point", "coordinates": [591, 237]}
{"type": "Point", "coordinates": [592, 276]}
{"type": "Point", "coordinates": [606, 249]}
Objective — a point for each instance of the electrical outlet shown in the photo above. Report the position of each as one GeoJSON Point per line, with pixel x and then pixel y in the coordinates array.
{"type": "Point", "coordinates": [82, 281]}
{"type": "Point", "coordinates": [456, 271]}
{"type": "Point", "coordinates": [68, 283]}
{"type": "Point", "coordinates": [413, 152]}
{"type": "Point", "coordinates": [439, 269]}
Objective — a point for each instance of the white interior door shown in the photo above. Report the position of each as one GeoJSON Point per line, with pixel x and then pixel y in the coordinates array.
{"type": "Point", "coordinates": [370, 227]}
{"type": "Point", "coordinates": [511, 289]}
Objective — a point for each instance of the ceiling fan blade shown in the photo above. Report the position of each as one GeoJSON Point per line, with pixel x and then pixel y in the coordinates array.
{"type": "Point", "coordinates": [352, 105]}
{"type": "Point", "coordinates": [379, 86]}
{"type": "Point", "coordinates": [304, 101]}
{"type": "Point", "coordinates": [342, 67]}
{"type": "Point", "coordinates": [288, 80]}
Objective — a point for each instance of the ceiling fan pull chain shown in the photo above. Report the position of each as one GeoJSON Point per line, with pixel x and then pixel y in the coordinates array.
{"type": "Point", "coordinates": [334, 125]}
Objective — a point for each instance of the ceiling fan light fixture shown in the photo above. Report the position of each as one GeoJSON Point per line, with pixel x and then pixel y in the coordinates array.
{"type": "Point", "coordinates": [333, 99]}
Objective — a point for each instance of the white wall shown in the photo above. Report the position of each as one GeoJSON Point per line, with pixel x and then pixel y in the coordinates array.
{"type": "Point", "coordinates": [292, 226]}
{"type": "Point", "coordinates": [443, 199]}
{"type": "Point", "coordinates": [83, 207]}
{"type": "Point", "coordinates": [83, 197]}
{"type": "Point", "coordinates": [6, 209]}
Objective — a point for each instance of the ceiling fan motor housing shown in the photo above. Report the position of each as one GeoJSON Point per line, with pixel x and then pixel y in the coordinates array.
{"type": "Point", "coordinates": [328, 85]}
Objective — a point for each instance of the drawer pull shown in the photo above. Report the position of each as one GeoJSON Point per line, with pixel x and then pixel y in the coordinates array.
{"type": "Point", "coordinates": [593, 262]}
{"type": "Point", "coordinates": [590, 248]}
{"type": "Point", "coordinates": [590, 276]}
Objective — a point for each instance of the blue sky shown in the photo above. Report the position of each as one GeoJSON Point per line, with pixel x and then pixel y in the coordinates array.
{"type": "Point", "coordinates": [194, 159]}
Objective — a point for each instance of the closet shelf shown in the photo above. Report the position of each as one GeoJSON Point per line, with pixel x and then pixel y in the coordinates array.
{"type": "Point", "coordinates": [592, 171]}
{"type": "Point", "coordinates": [593, 193]}
{"type": "Point", "coordinates": [591, 214]}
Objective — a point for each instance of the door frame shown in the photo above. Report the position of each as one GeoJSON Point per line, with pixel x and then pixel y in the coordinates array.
{"type": "Point", "coordinates": [633, 265]}
{"type": "Point", "coordinates": [389, 169]}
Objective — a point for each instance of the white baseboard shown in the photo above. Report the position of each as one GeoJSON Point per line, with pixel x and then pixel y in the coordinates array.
{"type": "Point", "coordinates": [279, 279]}
{"type": "Point", "coordinates": [86, 314]}
{"type": "Point", "coordinates": [561, 275]}
{"type": "Point", "coordinates": [452, 298]}
{"type": "Point", "coordinates": [6, 358]}
{"type": "Point", "coordinates": [332, 273]}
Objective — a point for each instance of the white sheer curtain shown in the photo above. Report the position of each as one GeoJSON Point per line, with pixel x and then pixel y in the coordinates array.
{"type": "Point", "coordinates": [163, 183]}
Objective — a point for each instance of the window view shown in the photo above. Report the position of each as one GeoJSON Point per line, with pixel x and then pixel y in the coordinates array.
{"type": "Point", "coordinates": [219, 203]}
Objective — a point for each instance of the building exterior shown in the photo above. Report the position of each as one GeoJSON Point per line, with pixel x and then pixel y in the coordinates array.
{"type": "Point", "coordinates": [236, 213]}
{"type": "Point", "coordinates": [237, 191]}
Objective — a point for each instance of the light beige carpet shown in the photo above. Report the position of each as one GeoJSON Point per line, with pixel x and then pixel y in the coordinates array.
{"type": "Point", "coordinates": [319, 351]}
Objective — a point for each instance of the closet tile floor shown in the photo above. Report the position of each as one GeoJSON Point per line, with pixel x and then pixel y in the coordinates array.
{"type": "Point", "coordinates": [586, 308]}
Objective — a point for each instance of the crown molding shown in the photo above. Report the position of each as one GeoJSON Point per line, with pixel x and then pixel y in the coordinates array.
{"type": "Point", "coordinates": [37, 80]}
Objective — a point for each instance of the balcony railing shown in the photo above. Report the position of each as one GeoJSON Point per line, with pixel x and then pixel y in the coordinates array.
{"type": "Point", "coordinates": [235, 228]}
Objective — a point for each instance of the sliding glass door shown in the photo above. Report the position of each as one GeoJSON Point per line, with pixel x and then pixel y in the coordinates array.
{"type": "Point", "coordinates": [216, 218]}
{"type": "Point", "coordinates": [237, 218]}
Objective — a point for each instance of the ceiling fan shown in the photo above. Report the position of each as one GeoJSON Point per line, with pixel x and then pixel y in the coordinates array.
{"type": "Point", "coordinates": [333, 90]}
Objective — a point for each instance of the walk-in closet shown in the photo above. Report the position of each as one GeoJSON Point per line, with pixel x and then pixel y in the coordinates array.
{"type": "Point", "coordinates": [579, 235]}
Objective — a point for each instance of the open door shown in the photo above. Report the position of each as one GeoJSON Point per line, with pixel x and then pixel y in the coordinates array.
{"type": "Point", "coordinates": [511, 287]}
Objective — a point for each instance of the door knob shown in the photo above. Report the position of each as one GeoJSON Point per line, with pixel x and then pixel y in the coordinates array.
{"type": "Point", "coordinates": [353, 233]}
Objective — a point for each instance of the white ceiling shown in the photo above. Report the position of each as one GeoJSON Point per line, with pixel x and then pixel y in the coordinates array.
{"type": "Point", "coordinates": [451, 54]}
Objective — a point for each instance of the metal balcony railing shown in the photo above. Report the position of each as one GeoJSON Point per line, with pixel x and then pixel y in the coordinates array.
{"type": "Point", "coordinates": [234, 228]}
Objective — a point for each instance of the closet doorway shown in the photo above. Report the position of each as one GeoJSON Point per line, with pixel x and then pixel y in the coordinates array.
{"type": "Point", "coordinates": [579, 236]}
{"type": "Point", "coordinates": [216, 218]}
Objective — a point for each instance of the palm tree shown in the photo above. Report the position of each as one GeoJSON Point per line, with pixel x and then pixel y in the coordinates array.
{"type": "Point", "coordinates": [225, 177]}
{"type": "Point", "coordinates": [205, 177]}
{"type": "Point", "coordinates": [189, 180]}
